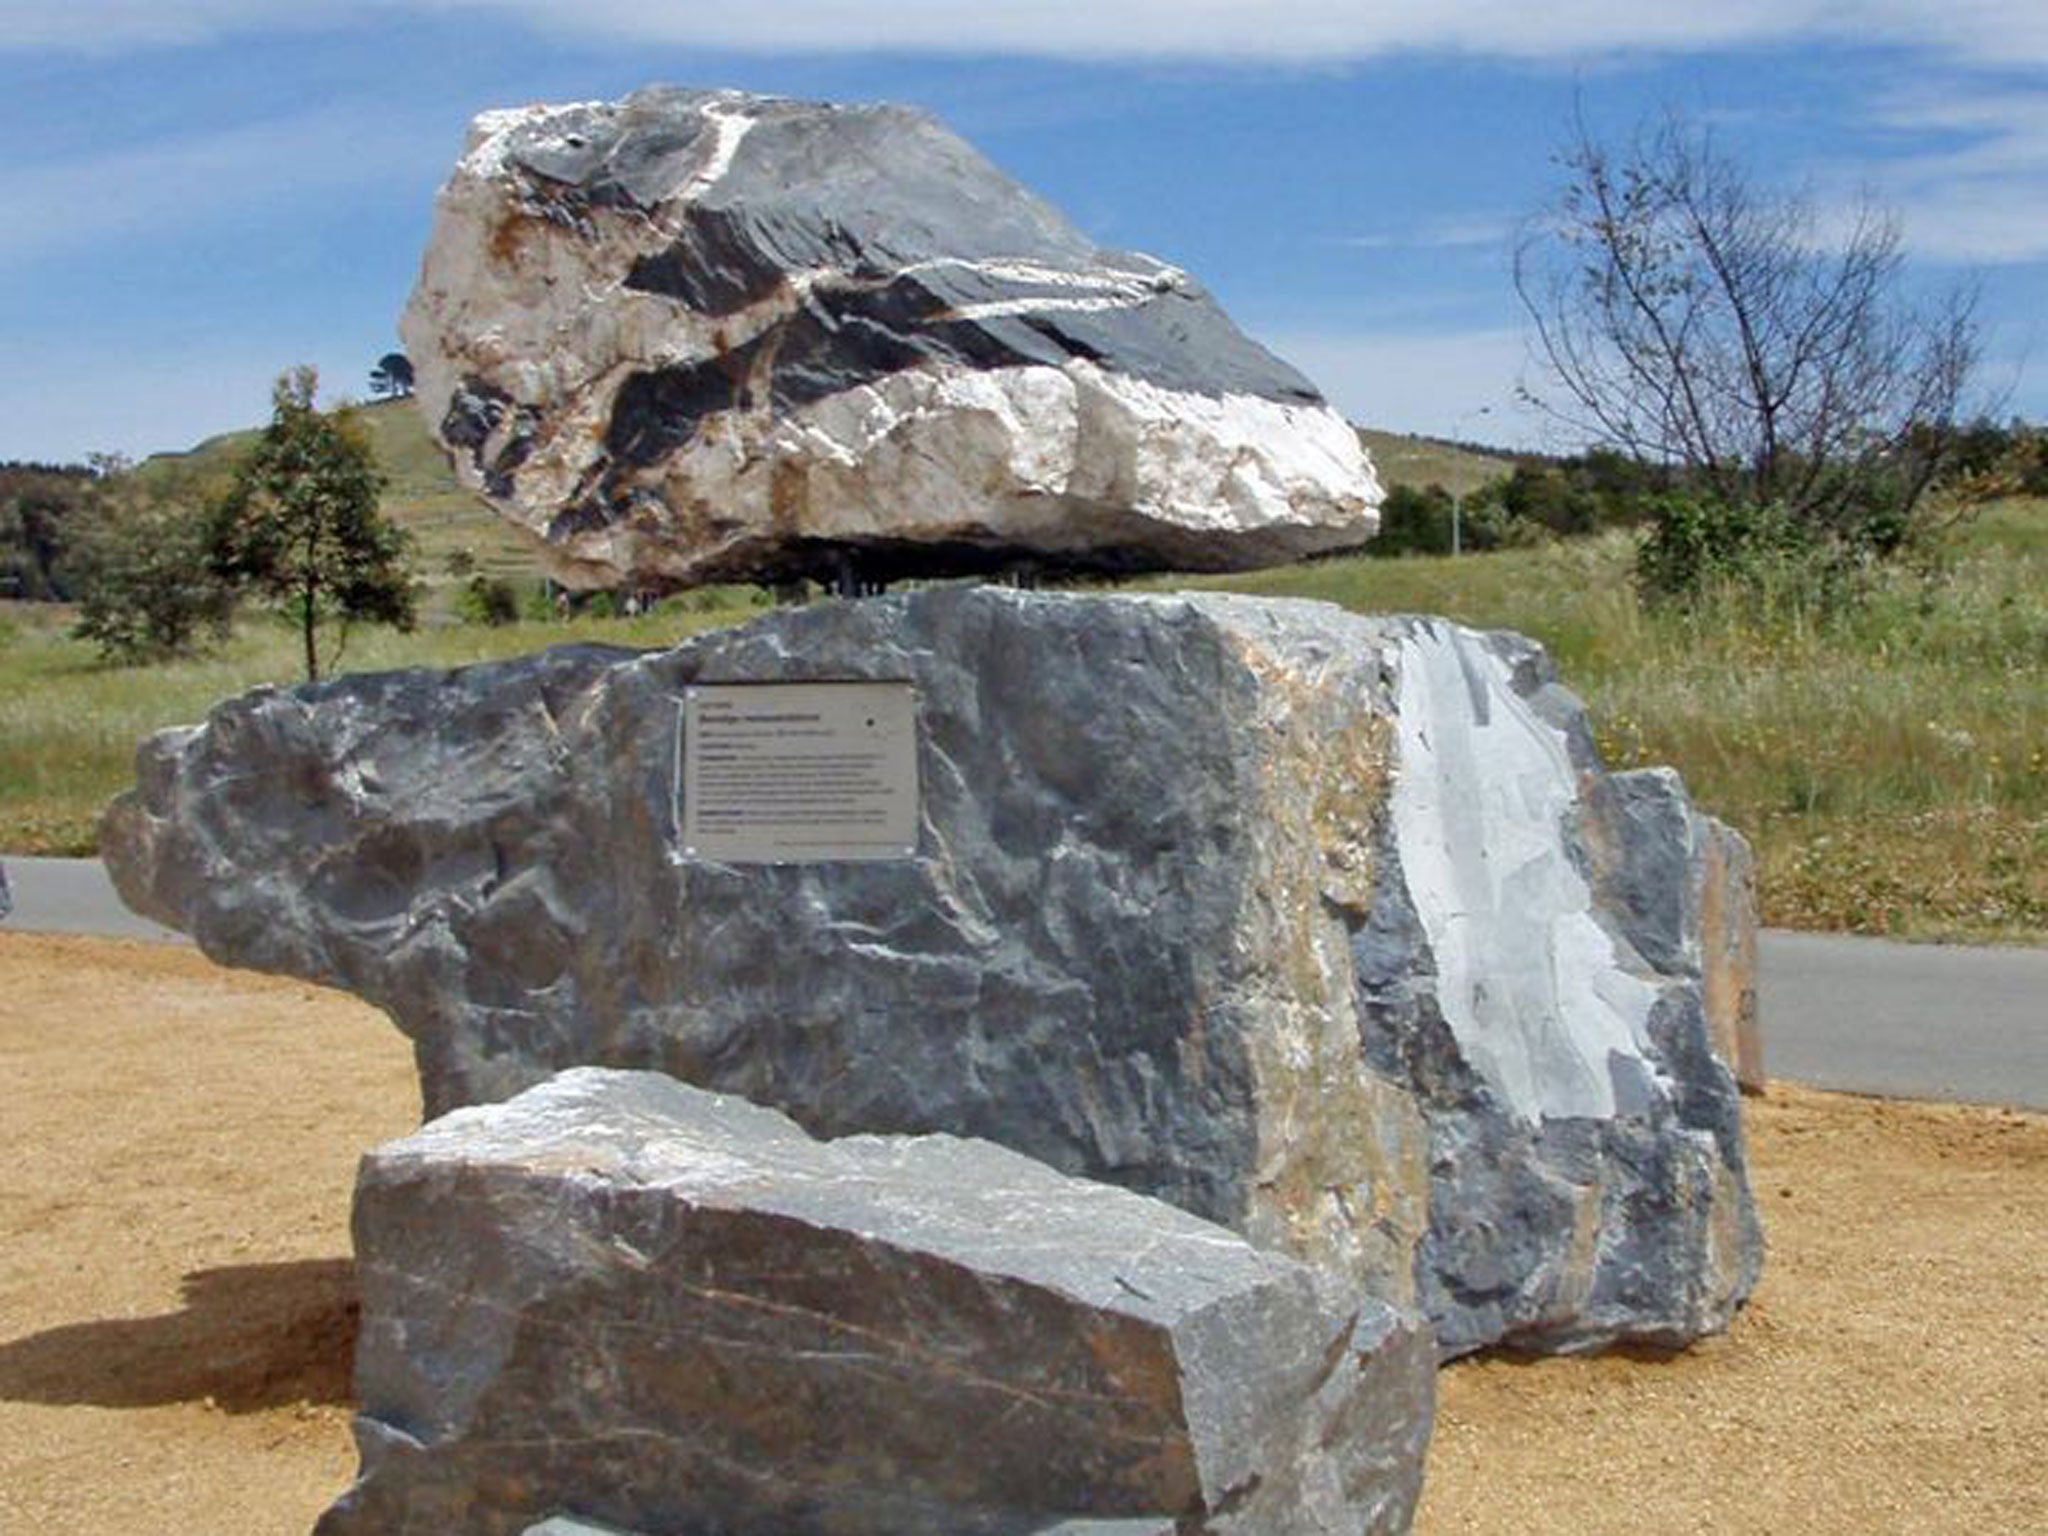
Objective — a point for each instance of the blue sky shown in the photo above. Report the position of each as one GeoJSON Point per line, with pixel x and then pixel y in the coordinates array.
{"type": "Point", "coordinates": [201, 193]}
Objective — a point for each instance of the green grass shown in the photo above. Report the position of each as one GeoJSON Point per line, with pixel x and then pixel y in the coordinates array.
{"type": "Point", "coordinates": [69, 724]}
{"type": "Point", "coordinates": [1890, 763]}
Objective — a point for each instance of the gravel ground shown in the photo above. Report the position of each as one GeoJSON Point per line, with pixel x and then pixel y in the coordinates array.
{"type": "Point", "coordinates": [176, 1315]}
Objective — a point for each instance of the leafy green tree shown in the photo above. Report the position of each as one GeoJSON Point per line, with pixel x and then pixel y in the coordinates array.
{"type": "Point", "coordinates": [136, 557]}
{"type": "Point", "coordinates": [1414, 520]}
{"type": "Point", "coordinates": [2027, 464]}
{"type": "Point", "coordinates": [1417, 520]}
{"type": "Point", "coordinates": [392, 377]}
{"type": "Point", "coordinates": [300, 524]}
{"type": "Point", "coordinates": [39, 507]}
{"type": "Point", "coordinates": [1988, 461]}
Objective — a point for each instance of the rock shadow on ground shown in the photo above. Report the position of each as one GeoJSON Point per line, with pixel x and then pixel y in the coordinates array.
{"type": "Point", "coordinates": [249, 1337]}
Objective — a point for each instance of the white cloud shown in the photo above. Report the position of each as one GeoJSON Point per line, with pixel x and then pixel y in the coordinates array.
{"type": "Point", "coordinates": [1438, 235]}
{"type": "Point", "coordinates": [54, 205]}
{"type": "Point", "coordinates": [2006, 32]}
{"type": "Point", "coordinates": [110, 25]}
{"type": "Point", "coordinates": [1982, 197]}
{"type": "Point", "coordinates": [1980, 223]}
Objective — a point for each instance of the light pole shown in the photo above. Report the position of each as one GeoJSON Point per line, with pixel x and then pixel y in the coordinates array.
{"type": "Point", "coordinates": [1458, 496]}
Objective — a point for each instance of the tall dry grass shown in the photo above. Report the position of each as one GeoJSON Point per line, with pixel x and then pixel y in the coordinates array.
{"type": "Point", "coordinates": [69, 723]}
{"type": "Point", "coordinates": [1889, 759]}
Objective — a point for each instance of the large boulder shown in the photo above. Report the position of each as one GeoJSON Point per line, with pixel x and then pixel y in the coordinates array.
{"type": "Point", "coordinates": [699, 336]}
{"type": "Point", "coordinates": [1329, 929]}
{"type": "Point", "coordinates": [624, 1300]}
{"type": "Point", "coordinates": [569, 1525]}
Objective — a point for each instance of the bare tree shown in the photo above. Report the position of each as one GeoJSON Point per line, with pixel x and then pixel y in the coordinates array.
{"type": "Point", "coordinates": [1690, 316]}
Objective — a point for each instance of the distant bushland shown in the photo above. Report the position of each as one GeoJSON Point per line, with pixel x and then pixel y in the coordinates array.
{"type": "Point", "coordinates": [39, 509]}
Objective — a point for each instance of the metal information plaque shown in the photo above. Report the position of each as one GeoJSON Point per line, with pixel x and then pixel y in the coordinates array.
{"type": "Point", "coordinates": [778, 773]}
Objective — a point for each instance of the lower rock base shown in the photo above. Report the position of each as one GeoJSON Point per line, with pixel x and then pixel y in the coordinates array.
{"type": "Point", "coordinates": [619, 1303]}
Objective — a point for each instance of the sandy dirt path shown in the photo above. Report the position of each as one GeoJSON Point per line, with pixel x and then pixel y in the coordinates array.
{"type": "Point", "coordinates": [178, 1143]}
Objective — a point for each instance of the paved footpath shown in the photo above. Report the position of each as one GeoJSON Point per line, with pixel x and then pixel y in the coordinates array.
{"type": "Point", "coordinates": [1931, 1021]}
{"type": "Point", "coordinates": [73, 896]}
{"type": "Point", "coordinates": [1861, 1015]}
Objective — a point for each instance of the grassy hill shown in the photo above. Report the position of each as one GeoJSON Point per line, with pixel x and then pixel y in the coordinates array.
{"type": "Point", "coordinates": [1405, 459]}
{"type": "Point", "coordinates": [422, 496]}
{"type": "Point", "coordinates": [420, 492]}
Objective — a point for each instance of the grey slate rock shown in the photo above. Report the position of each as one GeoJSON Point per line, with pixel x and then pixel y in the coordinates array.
{"type": "Point", "coordinates": [672, 1312]}
{"type": "Point", "coordinates": [564, 1525]}
{"type": "Point", "coordinates": [1627, 1139]}
{"type": "Point", "coordinates": [703, 335]}
{"type": "Point", "coordinates": [1326, 928]}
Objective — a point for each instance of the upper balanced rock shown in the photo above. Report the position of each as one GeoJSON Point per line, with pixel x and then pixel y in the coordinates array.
{"type": "Point", "coordinates": [1329, 929]}
{"type": "Point", "coordinates": [698, 336]}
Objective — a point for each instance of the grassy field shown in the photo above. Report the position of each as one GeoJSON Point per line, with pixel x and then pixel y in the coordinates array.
{"type": "Point", "coordinates": [1888, 764]}
{"type": "Point", "coordinates": [69, 724]}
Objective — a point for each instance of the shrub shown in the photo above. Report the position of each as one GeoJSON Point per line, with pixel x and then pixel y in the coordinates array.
{"type": "Point", "coordinates": [138, 563]}
{"type": "Point", "coordinates": [39, 510]}
{"type": "Point", "coordinates": [541, 602]}
{"type": "Point", "coordinates": [1751, 551]}
{"type": "Point", "coordinates": [489, 600]}
{"type": "Point", "coordinates": [1418, 522]}
{"type": "Point", "coordinates": [1414, 521]}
